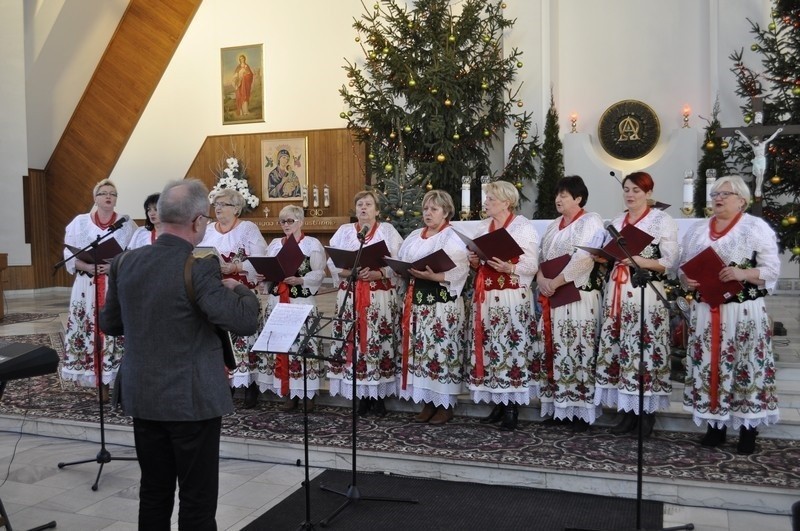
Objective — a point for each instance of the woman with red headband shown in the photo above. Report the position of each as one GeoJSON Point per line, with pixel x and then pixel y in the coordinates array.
{"type": "Point", "coordinates": [730, 365]}
{"type": "Point", "coordinates": [619, 349]}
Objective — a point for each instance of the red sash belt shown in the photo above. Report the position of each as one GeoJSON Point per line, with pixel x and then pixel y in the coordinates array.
{"type": "Point", "coordinates": [100, 286]}
{"type": "Point", "coordinates": [715, 355]}
{"type": "Point", "coordinates": [363, 300]}
{"type": "Point", "coordinates": [548, 336]}
{"type": "Point", "coordinates": [407, 308]}
{"type": "Point", "coordinates": [282, 360]}
{"type": "Point", "coordinates": [620, 276]}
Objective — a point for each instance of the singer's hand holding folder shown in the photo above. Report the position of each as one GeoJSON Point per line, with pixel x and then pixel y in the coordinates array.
{"type": "Point", "coordinates": [439, 262]}
{"type": "Point", "coordinates": [566, 294]}
{"type": "Point", "coordinates": [635, 241]}
{"type": "Point", "coordinates": [371, 256]}
{"type": "Point", "coordinates": [495, 244]}
{"type": "Point", "coordinates": [284, 264]}
{"type": "Point", "coordinates": [704, 268]}
{"type": "Point", "coordinates": [103, 253]}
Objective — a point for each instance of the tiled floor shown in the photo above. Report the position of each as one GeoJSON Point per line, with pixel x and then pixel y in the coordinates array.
{"type": "Point", "coordinates": [35, 491]}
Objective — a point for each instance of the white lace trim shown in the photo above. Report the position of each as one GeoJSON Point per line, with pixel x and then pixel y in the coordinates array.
{"type": "Point", "coordinates": [570, 412]}
{"type": "Point", "coordinates": [736, 422]}
{"type": "Point", "coordinates": [426, 395]}
{"type": "Point", "coordinates": [345, 389]}
{"type": "Point", "coordinates": [627, 402]}
{"type": "Point", "coordinates": [521, 397]}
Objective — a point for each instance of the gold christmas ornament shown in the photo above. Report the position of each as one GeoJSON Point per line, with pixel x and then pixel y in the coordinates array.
{"type": "Point", "coordinates": [434, 90]}
{"type": "Point", "coordinates": [400, 212]}
{"type": "Point", "coordinates": [796, 91]}
{"type": "Point", "coordinates": [368, 130]}
{"type": "Point", "coordinates": [429, 186]}
{"type": "Point", "coordinates": [710, 145]}
{"type": "Point", "coordinates": [771, 26]}
{"type": "Point", "coordinates": [484, 85]}
{"type": "Point", "coordinates": [754, 47]}
{"type": "Point", "coordinates": [487, 38]}
{"type": "Point", "coordinates": [447, 102]}
{"type": "Point", "coordinates": [524, 134]}
{"type": "Point", "coordinates": [451, 38]}
{"type": "Point", "coordinates": [456, 136]}
{"type": "Point", "coordinates": [689, 297]}
{"type": "Point", "coordinates": [388, 166]}
{"type": "Point", "coordinates": [518, 185]}
{"type": "Point", "coordinates": [748, 118]}
{"type": "Point", "coordinates": [519, 103]}
{"type": "Point", "coordinates": [343, 115]}
{"type": "Point", "coordinates": [407, 128]}
{"type": "Point", "coordinates": [775, 179]}
{"type": "Point", "coordinates": [358, 39]}
{"type": "Point", "coordinates": [412, 83]}
{"type": "Point", "coordinates": [724, 144]}
{"type": "Point", "coordinates": [784, 222]}
{"type": "Point", "coordinates": [487, 133]}
{"type": "Point", "coordinates": [792, 219]}
{"type": "Point", "coordinates": [385, 50]}
{"type": "Point", "coordinates": [504, 5]}
{"type": "Point", "coordinates": [440, 157]}
{"type": "Point", "coordinates": [519, 64]}
{"type": "Point", "coordinates": [392, 134]}
{"type": "Point", "coordinates": [796, 250]}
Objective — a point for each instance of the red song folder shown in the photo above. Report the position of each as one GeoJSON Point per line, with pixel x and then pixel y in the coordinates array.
{"type": "Point", "coordinates": [566, 294]}
{"type": "Point", "coordinates": [282, 265]}
{"type": "Point", "coordinates": [439, 262]}
{"type": "Point", "coordinates": [705, 268]}
{"type": "Point", "coordinates": [104, 252]}
{"type": "Point", "coordinates": [371, 256]}
{"type": "Point", "coordinates": [496, 244]}
{"type": "Point", "coordinates": [635, 241]}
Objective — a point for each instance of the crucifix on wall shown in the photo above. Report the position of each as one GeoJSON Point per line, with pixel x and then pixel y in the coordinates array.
{"type": "Point", "coordinates": [754, 136]}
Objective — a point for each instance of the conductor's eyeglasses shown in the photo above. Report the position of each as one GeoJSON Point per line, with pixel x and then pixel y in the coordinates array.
{"type": "Point", "coordinates": [722, 195]}
{"type": "Point", "coordinates": [286, 221]}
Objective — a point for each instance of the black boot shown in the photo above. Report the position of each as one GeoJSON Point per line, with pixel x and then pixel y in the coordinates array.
{"type": "Point", "coordinates": [627, 424]}
{"type": "Point", "coordinates": [251, 396]}
{"type": "Point", "coordinates": [579, 426]}
{"type": "Point", "coordinates": [648, 421]}
{"type": "Point", "coordinates": [510, 416]}
{"type": "Point", "coordinates": [379, 407]}
{"type": "Point", "coordinates": [714, 436]}
{"type": "Point", "coordinates": [747, 441]}
{"type": "Point", "coordinates": [364, 405]}
{"type": "Point", "coordinates": [496, 414]}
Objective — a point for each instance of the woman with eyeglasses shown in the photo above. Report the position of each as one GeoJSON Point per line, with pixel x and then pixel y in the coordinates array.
{"type": "Point", "coordinates": [730, 366]}
{"type": "Point", "coordinates": [376, 317]}
{"type": "Point", "coordinates": [236, 239]}
{"type": "Point", "coordinates": [283, 373]}
{"type": "Point", "coordinates": [147, 235]}
{"type": "Point", "coordinates": [79, 346]}
{"type": "Point", "coordinates": [618, 352]}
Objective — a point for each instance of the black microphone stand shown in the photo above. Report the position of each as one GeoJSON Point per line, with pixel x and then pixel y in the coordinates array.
{"type": "Point", "coordinates": [103, 456]}
{"type": "Point", "coordinates": [641, 279]}
{"type": "Point", "coordinates": [352, 494]}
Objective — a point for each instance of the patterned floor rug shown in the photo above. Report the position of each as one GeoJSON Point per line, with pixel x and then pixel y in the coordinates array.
{"type": "Point", "coordinates": [14, 318]}
{"type": "Point", "coordinates": [669, 455]}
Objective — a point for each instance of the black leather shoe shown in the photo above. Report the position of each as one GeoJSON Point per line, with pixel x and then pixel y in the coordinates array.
{"type": "Point", "coordinates": [579, 426]}
{"type": "Point", "coordinates": [648, 421]}
{"type": "Point", "coordinates": [626, 425]}
{"type": "Point", "coordinates": [251, 396]}
{"type": "Point", "coordinates": [496, 414]}
{"type": "Point", "coordinates": [378, 407]}
{"type": "Point", "coordinates": [714, 436]}
{"type": "Point", "coordinates": [364, 405]}
{"type": "Point", "coordinates": [510, 417]}
{"type": "Point", "coordinates": [747, 441]}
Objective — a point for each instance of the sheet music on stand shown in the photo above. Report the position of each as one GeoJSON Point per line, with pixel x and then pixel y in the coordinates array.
{"type": "Point", "coordinates": [282, 327]}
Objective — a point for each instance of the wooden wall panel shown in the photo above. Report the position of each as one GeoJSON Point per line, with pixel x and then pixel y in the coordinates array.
{"type": "Point", "coordinates": [333, 159]}
{"type": "Point", "coordinates": [126, 76]}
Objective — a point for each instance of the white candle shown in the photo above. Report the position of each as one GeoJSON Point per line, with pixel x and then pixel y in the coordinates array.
{"type": "Point", "coordinates": [465, 200]}
{"type": "Point", "coordinates": [688, 191]}
{"type": "Point", "coordinates": [709, 183]}
{"type": "Point", "coordinates": [304, 195]}
{"type": "Point", "coordinates": [315, 199]}
{"type": "Point", "coordinates": [326, 196]}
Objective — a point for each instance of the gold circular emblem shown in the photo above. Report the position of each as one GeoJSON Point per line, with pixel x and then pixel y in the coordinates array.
{"type": "Point", "coordinates": [629, 130]}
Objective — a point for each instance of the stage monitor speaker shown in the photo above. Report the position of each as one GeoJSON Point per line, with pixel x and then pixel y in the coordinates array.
{"type": "Point", "coordinates": [22, 360]}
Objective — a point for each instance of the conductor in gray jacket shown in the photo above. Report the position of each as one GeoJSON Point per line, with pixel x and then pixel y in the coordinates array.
{"type": "Point", "coordinates": [173, 379]}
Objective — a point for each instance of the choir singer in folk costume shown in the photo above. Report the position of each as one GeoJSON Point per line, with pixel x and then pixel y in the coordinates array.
{"type": "Point", "coordinates": [235, 239]}
{"type": "Point", "coordinates": [618, 354]}
{"type": "Point", "coordinates": [79, 347]}
{"type": "Point", "coordinates": [730, 366]}
{"type": "Point", "coordinates": [432, 366]}
{"type": "Point", "coordinates": [147, 235]}
{"type": "Point", "coordinates": [376, 315]}
{"type": "Point", "coordinates": [283, 373]}
{"type": "Point", "coordinates": [503, 320]}
{"type": "Point", "coordinates": [565, 352]}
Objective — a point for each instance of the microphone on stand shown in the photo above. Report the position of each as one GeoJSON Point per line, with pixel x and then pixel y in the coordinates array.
{"type": "Point", "coordinates": [119, 223]}
{"type": "Point", "coordinates": [615, 233]}
{"type": "Point", "coordinates": [614, 175]}
{"type": "Point", "coordinates": [362, 233]}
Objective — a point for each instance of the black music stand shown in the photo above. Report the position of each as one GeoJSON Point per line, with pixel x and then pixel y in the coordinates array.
{"type": "Point", "coordinates": [103, 456]}
{"type": "Point", "coordinates": [352, 494]}
{"type": "Point", "coordinates": [641, 279]}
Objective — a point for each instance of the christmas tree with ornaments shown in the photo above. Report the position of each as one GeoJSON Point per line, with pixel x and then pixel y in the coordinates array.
{"type": "Point", "coordinates": [777, 85]}
{"type": "Point", "coordinates": [432, 96]}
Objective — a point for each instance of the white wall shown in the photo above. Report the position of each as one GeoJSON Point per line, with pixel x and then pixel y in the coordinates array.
{"type": "Point", "coordinates": [13, 149]}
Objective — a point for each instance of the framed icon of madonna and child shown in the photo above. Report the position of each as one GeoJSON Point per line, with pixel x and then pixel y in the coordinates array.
{"type": "Point", "coordinates": [284, 169]}
{"type": "Point", "coordinates": [242, 75]}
